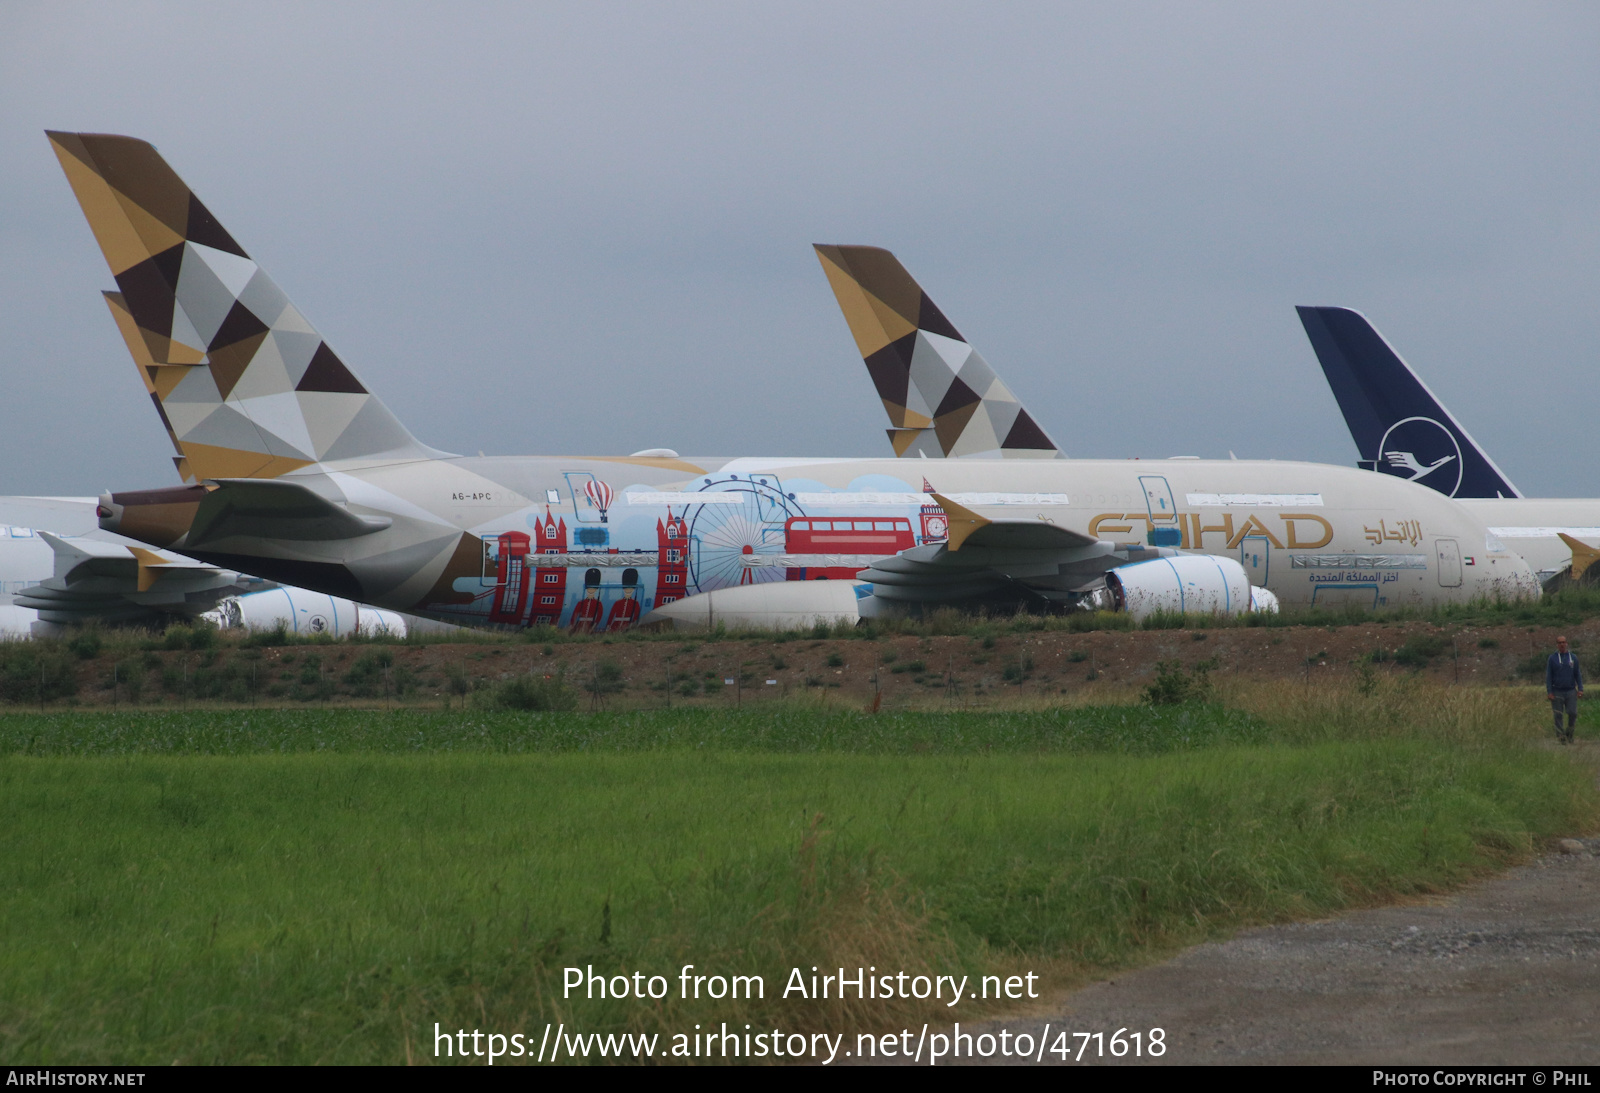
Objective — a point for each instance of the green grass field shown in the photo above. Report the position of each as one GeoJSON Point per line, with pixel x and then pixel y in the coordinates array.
{"type": "Point", "coordinates": [310, 886]}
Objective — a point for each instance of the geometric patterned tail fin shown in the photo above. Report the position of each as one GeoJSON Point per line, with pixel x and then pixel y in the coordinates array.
{"type": "Point", "coordinates": [942, 398]}
{"type": "Point", "coordinates": [244, 384]}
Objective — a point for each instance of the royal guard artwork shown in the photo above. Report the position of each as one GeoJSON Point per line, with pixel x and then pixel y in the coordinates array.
{"type": "Point", "coordinates": [625, 612]}
{"type": "Point", "coordinates": [589, 611]}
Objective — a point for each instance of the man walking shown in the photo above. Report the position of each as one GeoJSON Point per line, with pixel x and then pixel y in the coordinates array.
{"type": "Point", "coordinates": [1563, 682]}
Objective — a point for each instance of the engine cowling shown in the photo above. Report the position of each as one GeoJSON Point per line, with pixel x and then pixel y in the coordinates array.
{"type": "Point", "coordinates": [1195, 584]}
{"type": "Point", "coordinates": [301, 611]}
{"type": "Point", "coordinates": [774, 605]}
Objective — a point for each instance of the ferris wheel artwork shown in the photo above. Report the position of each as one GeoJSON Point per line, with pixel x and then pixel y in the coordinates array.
{"type": "Point", "coordinates": [722, 535]}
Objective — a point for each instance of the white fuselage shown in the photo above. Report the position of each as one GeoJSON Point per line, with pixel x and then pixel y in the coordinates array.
{"type": "Point", "coordinates": [554, 532]}
{"type": "Point", "coordinates": [1532, 526]}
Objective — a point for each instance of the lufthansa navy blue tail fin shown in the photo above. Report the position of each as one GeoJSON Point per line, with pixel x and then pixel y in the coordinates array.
{"type": "Point", "coordinates": [1399, 426]}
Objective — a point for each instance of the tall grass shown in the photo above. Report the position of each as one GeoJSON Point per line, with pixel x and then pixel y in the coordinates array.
{"type": "Point", "coordinates": [787, 728]}
{"type": "Point", "coordinates": [305, 887]}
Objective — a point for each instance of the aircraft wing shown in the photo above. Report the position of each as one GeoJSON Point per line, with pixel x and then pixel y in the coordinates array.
{"type": "Point", "coordinates": [970, 528]}
{"type": "Point", "coordinates": [273, 508]}
{"type": "Point", "coordinates": [985, 555]}
{"type": "Point", "coordinates": [114, 583]}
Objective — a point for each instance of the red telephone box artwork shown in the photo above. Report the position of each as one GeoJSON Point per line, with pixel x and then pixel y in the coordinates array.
{"type": "Point", "coordinates": [511, 585]}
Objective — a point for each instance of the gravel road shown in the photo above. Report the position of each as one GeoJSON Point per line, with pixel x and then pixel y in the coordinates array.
{"type": "Point", "coordinates": [1504, 971]}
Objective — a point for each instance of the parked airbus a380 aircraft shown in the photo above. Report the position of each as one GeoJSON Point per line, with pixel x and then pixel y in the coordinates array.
{"type": "Point", "coordinates": [1401, 428]}
{"type": "Point", "coordinates": [303, 476]}
{"type": "Point", "coordinates": [81, 574]}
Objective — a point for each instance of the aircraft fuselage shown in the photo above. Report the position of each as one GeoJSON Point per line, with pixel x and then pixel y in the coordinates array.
{"type": "Point", "coordinates": [520, 541]}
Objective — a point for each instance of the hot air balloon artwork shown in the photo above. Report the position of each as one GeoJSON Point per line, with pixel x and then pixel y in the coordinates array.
{"type": "Point", "coordinates": [600, 496]}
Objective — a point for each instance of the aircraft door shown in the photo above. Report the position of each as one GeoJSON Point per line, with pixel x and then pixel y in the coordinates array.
{"type": "Point", "coordinates": [1158, 498]}
{"type": "Point", "coordinates": [1448, 553]}
{"type": "Point", "coordinates": [1254, 556]}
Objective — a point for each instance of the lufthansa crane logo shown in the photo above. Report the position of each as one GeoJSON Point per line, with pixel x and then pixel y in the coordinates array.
{"type": "Point", "coordinates": [1419, 449]}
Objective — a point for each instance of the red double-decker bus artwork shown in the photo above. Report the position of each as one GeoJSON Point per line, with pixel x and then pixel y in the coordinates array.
{"type": "Point", "coordinates": [813, 538]}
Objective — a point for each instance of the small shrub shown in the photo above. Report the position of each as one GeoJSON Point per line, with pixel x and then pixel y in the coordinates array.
{"type": "Point", "coordinates": [1077, 656]}
{"type": "Point", "coordinates": [34, 670]}
{"type": "Point", "coordinates": [835, 660]}
{"type": "Point", "coordinates": [605, 678]}
{"type": "Point", "coordinates": [909, 666]}
{"type": "Point", "coordinates": [1488, 643]}
{"type": "Point", "coordinates": [366, 676]}
{"type": "Point", "coordinates": [86, 646]}
{"type": "Point", "coordinates": [1420, 651]}
{"type": "Point", "coordinates": [402, 680]}
{"type": "Point", "coordinates": [533, 693]}
{"type": "Point", "coordinates": [1366, 677]}
{"type": "Point", "coordinates": [1019, 669]}
{"type": "Point", "coordinates": [1173, 685]}
{"type": "Point", "coordinates": [267, 639]}
{"type": "Point", "coordinates": [1532, 666]}
{"type": "Point", "coordinates": [197, 634]}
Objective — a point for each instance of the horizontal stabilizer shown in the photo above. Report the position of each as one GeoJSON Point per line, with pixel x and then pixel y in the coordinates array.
{"type": "Point", "coordinates": [260, 508]}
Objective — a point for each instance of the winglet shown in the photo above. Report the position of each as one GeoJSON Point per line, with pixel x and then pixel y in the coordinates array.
{"type": "Point", "coordinates": [963, 521]}
{"type": "Point", "coordinates": [1583, 555]}
{"type": "Point", "coordinates": [147, 558]}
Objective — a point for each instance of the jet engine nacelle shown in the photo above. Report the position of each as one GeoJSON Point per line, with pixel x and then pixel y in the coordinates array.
{"type": "Point", "coordinates": [774, 605]}
{"type": "Point", "coordinates": [301, 611]}
{"type": "Point", "coordinates": [1195, 584]}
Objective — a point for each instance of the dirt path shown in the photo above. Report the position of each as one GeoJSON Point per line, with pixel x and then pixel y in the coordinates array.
{"type": "Point", "coordinates": [1504, 971]}
{"type": "Point", "coordinates": [911, 673]}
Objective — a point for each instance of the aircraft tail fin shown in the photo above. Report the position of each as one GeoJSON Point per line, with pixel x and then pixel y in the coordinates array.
{"type": "Point", "coordinates": [245, 386]}
{"type": "Point", "coordinates": [1399, 426]}
{"type": "Point", "coordinates": [942, 397]}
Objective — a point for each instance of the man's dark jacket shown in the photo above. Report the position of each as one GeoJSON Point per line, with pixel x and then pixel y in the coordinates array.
{"type": "Point", "coordinates": [1561, 673]}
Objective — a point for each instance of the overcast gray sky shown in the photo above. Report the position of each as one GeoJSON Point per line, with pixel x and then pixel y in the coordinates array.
{"type": "Point", "coordinates": [586, 229]}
